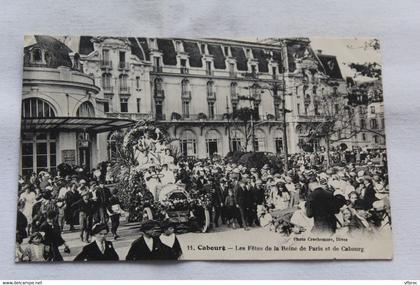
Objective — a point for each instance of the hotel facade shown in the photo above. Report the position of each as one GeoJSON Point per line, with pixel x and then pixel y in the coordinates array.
{"type": "Point", "coordinates": [188, 86]}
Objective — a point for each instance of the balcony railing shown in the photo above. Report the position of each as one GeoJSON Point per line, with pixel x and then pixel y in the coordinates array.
{"type": "Point", "coordinates": [209, 72]}
{"type": "Point", "coordinates": [184, 70]}
{"type": "Point", "coordinates": [202, 117]}
{"type": "Point", "coordinates": [106, 64]}
{"type": "Point", "coordinates": [130, 116]}
{"type": "Point", "coordinates": [108, 89]}
{"type": "Point", "coordinates": [124, 90]}
{"type": "Point", "coordinates": [157, 69]}
{"type": "Point", "coordinates": [123, 65]}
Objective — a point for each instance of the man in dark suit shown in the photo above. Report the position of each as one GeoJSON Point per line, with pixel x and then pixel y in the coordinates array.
{"type": "Point", "coordinates": [100, 249]}
{"type": "Point", "coordinates": [53, 238]}
{"type": "Point", "coordinates": [367, 194]}
{"type": "Point", "coordinates": [240, 197]}
{"type": "Point", "coordinates": [147, 247]}
{"type": "Point", "coordinates": [322, 205]}
{"type": "Point", "coordinates": [70, 212]}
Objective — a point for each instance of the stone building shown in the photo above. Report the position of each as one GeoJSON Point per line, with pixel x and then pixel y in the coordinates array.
{"type": "Point", "coordinates": [191, 84]}
{"type": "Point", "coordinates": [61, 111]}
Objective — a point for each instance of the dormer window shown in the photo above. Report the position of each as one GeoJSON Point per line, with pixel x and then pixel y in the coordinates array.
{"type": "Point", "coordinates": [179, 47]}
{"type": "Point", "coordinates": [153, 44]}
{"type": "Point", "coordinates": [227, 51]}
{"type": "Point", "coordinates": [37, 55]}
{"type": "Point", "coordinates": [248, 53]}
{"type": "Point", "coordinates": [203, 49]}
{"type": "Point", "coordinates": [253, 69]}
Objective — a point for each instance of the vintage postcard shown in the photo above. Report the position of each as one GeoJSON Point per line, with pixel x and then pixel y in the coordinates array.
{"type": "Point", "coordinates": [137, 148]}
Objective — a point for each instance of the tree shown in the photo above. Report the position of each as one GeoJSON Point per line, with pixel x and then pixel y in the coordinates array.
{"type": "Point", "coordinates": [246, 117]}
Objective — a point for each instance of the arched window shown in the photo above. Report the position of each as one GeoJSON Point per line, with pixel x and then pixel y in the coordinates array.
{"type": "Point", "coordinates": [212, 142]}
{"type": "Point", "coordinates": [86, 109]}
{"type": "Point", "coordinates": [112, 145]}
{"type": "Point", "coordinates": [34, 107]}
{"type": "Point", "coordinates": [188, 143]}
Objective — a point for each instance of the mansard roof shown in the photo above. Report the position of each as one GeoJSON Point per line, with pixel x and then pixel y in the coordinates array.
{"type": "Point", "coordinates": [56, 51]}
{"type": "Point", "coordinates": [330, 65]}
{"type": "Point", "coordinates": [85, 45]}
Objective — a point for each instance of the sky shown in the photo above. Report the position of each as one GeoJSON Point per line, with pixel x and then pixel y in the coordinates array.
{"type": "Point", "coordinates": [347, 50]}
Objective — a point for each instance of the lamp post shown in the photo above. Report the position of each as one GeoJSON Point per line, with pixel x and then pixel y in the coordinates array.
{"type": "Point", "coordinates": [228, 121]}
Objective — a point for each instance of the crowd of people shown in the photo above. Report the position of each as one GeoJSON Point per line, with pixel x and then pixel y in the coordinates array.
{"type": "Point", "coordinates": [349, 198]}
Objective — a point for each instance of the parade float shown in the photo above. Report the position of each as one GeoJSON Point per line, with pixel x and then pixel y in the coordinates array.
{"type": "Point", "coordinates": [145, 171]}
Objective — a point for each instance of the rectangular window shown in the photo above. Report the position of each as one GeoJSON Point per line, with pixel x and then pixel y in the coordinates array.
{"type": "Point", "coordinates": [231, 69]}
{"type": "Point", "coordinates": [236, 144]}
{"type": "Point", "coordinates": [203, 48]}
{"type": "Point", "coordinates": [274, 71]}
{"type": "Point", "coordinates": [124, 105]}
{"type": "Point", "coordinates": [159, 110]}
{"type": "Point", "coordinates": [106, 107]}
{"type": "Point", "coordinates": [105, 55]}
{"type": "Point", "coordinates": [138, 83]}
{"type": "Point", "coordinates": [208, 67]}
{"type": "Point", "coordinates": [298, 108]}
{"type": "Point", "coordinates": [211, 110]}
{"type": "Point", "coordinates": [373, 124]}
{"type": "Point", "coordinates": [186, 109]}
{"type": "Point", "coordinates": [122, 59]}
{"type": "Point", "coordinates": [362, 124]}
{"type": "Point", "coordinates": [138, 105]}
{"type": "Point", "coordinates": [279, 145]}
{"type": "Point", "coordinates": [277, 111]}
{"type": "Point", "coordinates": [372, 109]}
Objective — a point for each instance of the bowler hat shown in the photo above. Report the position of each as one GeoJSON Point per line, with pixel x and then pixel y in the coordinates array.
{"type": "Point", "coordinates": [148, 225]}
{"type": "Point", "coordinates": [98, 228]}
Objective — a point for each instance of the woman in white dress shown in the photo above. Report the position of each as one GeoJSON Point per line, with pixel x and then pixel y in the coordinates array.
{"type": "Point", "coordinates": [29, 197]}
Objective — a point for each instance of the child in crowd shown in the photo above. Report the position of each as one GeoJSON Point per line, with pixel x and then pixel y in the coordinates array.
{"type": "Point", "coordinates": [36, 251]}
{"type": "Point", "coordinates": [230, 209]}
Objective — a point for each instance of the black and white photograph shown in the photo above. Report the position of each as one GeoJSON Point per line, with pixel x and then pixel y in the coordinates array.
{"type": "Point", "coordinates": [248, 148]}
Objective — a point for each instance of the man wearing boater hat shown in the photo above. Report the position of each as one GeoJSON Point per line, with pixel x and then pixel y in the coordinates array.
{"type": "Point", "coordinates": [147, 247]}
{"type": "Point", "coordinates": [100, 248]}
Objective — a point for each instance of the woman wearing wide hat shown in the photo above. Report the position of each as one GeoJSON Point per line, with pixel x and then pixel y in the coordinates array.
{"type": "Point", "coordinates": [100, 249]}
